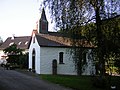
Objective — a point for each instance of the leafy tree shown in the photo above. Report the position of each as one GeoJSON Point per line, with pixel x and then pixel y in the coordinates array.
{"type": "Point", "coordinates": [76, 18]}
{"type": "Point", "coordinates": [23, 61]}
{"type": "Point", "coordinates": [111, 34]}
{"type": "Point", "coordinates": [117, 64]}
{"type": "Point", "coordinates": [13, 53]}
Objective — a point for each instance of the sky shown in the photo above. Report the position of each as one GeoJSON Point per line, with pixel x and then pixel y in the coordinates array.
{"type": "Point", "coordinates": [19, 17]}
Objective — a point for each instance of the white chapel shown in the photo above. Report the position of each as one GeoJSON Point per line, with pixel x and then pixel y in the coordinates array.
{"type": "Point", "coordinates": [49, 52]}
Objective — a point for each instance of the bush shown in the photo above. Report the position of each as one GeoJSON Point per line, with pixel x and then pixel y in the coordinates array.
{"type": "Point", "coordinates": [23, 61]}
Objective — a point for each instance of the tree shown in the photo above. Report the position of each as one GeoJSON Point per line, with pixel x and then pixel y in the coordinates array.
{"type": "Point", "coordinates": [23, 61]}
{"type": "Point", "coordinates": [74, 17]}
{"type": "Point", "coordinates": [13, 53]}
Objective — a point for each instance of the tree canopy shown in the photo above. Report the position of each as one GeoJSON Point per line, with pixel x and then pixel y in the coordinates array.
{"type": "Point", "coordinates": [13, 50]}
{"type": "Point", "coordinates": [13, 53]}
{"type": "Point", "coordinates": [93, 20]}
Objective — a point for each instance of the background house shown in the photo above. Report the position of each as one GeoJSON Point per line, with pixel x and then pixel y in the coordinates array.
{"type": "Point", "coordinates": [22, 42]}
{"type": "Point", "coordinates": [49, 52]}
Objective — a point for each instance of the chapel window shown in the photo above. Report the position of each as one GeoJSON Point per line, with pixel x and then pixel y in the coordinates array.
{"type": "Point", "coordinates": [61, 58]}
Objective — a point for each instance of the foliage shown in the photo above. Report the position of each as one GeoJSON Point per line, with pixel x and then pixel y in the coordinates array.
{"type": "Point", "coordinates": [23, 61]}
{"type": "Point", "coordinates": [13, 50]}
{"type": "Point", "coordinates": [13, 53]}
{"type": "Point", "coordinates": [69, 13]}
{"type": "Point", "coordinates": [76, 17]}
{"type": "Point", "coordinates": [16, 57]}
{"type": "Point", "coordinates": [117, 64]}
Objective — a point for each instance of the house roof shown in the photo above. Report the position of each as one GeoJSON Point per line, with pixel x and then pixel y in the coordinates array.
{"type": "Point", "coordinates": [22, 42]}
{"type": "Point", "coordinates": [49, 40]}
{"type": "Point", "coordinates": [58, 40]}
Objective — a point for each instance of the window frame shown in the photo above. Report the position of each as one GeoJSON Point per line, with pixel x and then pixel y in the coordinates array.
{"type": "Point", "coordinates": [61, 57]}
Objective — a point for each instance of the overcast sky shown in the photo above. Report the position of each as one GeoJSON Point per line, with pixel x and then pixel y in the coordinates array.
{"type": "Point", "coordinates": [18, 17]}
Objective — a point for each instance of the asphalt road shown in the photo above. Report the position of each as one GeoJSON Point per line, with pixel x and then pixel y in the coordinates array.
{"type": "Point", "coordinates": [13, 80]}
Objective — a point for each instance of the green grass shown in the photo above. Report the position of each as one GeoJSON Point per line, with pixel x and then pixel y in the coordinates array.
{"type": "Point", "coordinates": [75, 82]}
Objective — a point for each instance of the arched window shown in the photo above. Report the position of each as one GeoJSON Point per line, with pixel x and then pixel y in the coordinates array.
{"type": "Point", "coordinates": [33, 52]}
{"type": "Point", "coordinates": [61, 58]}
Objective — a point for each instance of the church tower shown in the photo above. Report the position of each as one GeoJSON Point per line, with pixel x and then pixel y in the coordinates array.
{"type": "Point", "coordinates": [43, 23]}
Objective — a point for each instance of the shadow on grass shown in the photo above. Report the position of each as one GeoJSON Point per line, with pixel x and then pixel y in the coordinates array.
{"type": "Point", "coordinates": [82, 82]}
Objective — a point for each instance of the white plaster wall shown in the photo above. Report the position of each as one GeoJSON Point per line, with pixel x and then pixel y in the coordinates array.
{"type": "Point", "coordinates": [37, 55]}
{"type": "Point", "coordinates": [45, 55]}
{"type": "Point", "coordinates": [30, 57]}
{"type": "Point", "coordinates": [2, 59]}
{"type": "Point", "coordinates": [48, 54]}
{"type": "Point", "coordinates": [1, 53]}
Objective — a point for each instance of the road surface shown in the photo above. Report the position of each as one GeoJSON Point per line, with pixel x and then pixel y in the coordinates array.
{"type": "Point", "coordinates": [13, 80]}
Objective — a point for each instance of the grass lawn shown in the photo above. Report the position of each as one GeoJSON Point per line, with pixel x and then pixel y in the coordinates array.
{"type": "Point", "coordinates": [77, 82]}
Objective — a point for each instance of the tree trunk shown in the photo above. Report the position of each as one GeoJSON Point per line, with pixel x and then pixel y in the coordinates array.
{"type": "Point", "coordinates": [100, 42]}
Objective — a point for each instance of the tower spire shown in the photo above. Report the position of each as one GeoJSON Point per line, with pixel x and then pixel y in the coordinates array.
{"type": "Point", "coordinates": [43, 16]}
{"type": "Point", "coordinates": [43, 23]}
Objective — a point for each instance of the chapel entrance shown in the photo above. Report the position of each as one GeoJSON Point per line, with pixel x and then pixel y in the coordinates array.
{"type": "Point", "coordinates": [33, 60]}
{"type": "Point", "coordinates": [54, 67]}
